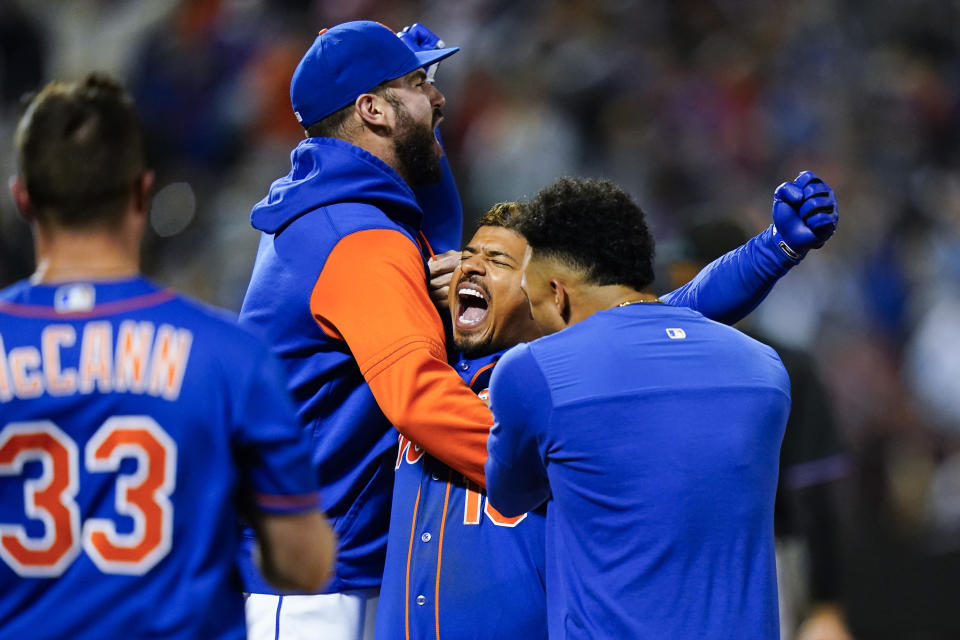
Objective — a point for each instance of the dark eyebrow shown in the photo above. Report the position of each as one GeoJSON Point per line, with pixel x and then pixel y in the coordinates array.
{"type": "Point", "coordinates": [419, 74]}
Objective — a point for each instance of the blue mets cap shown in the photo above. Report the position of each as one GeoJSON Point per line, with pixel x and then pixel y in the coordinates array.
{"type": "Point", "coordinates": [348, 60]}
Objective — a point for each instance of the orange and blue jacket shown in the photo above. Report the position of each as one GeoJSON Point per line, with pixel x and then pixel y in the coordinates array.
{"type": "Point", "coordinates": [339, 291]}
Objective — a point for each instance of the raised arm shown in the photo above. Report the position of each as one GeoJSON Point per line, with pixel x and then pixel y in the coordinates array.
{"type": "Point", "coordinates": [442, 210]}
{"type": "Point", "coordinates": [726, 290]}
{"type": "Point", "coordinates": [440, 202]}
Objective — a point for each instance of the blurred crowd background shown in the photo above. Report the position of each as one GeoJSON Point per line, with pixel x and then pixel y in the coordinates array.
{"type": "Point", "coordinates": [700, 108]}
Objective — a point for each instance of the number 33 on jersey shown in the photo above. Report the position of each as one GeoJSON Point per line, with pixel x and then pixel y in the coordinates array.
{"type": "Point", "coordinates": [50, 498]}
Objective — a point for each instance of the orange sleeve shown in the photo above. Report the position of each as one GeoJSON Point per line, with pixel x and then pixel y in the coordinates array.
{"type": "Point", "coordinates": [372, 294]}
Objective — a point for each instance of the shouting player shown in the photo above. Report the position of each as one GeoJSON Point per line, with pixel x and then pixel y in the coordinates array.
{"type": "Point", "coordinates": [131, 418]}
{"type": "Point", "coordinates": [458, 568]}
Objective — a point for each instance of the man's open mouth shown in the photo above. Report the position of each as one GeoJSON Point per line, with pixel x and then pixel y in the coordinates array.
{"type": "Point", "coordinates": [471, 306]}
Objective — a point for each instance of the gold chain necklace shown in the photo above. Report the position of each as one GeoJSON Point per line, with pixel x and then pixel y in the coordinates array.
{"type": "Point", "coordinates": [627, 303]}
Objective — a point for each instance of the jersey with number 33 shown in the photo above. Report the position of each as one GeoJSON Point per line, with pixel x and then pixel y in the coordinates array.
{"type": "Point", "coordinates": [130, 419]}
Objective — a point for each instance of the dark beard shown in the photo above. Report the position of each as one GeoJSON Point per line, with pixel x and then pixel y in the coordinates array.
{"type": "Point", "coordinates": [418, 161]}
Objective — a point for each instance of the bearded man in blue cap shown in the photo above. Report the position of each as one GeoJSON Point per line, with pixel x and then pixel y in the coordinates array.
{"type": "Point", "coordinates": [339, 290]}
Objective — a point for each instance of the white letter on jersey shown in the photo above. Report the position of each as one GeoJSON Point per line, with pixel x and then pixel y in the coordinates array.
{"type": "Point", "coordinates": [96, 357]}
{"type": "Point", "coordinates": [60, 381]}
{"type": "Point", "coordinates": [169, 362]}
{"type": "Point", "coordinates": [25, 366]}
{"type": "Point", "coordinates": [133, 350]}
{"type": "Point", "coordinates": [6, 392]}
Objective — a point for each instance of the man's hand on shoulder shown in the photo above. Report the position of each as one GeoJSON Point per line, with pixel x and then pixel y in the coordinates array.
{"type": "Point", "coordinates": [805, 214]}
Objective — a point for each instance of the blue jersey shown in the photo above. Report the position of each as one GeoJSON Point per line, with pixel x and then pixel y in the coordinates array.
{"type": "Point", "coordinates": [442, 211]}
{"type": "Point", "coordinates": [339, 291]}
{"type": "Point", "coordinates": [655, 434]}
{"type": "Point", "coordinates": [456, 567]}
{"type": "Point", "coordinates": [131, 419]}
{"type": "Point", "coordinates": [483, 575]}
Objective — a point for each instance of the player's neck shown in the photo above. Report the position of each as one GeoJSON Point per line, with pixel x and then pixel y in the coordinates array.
{"type": "Point", "coordinates": [377, 145]}
{"type": "Point", "coordinates": [67, 255]}
{"type": "Point", "coordinates": [590, 298]}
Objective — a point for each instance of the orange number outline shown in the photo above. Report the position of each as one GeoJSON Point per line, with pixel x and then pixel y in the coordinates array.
{"type": "Point", "coordinates": [51, 498]}
{"type": "Point", "coordinates": [143, 495]}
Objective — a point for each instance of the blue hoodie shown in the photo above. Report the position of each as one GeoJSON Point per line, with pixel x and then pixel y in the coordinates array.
{"type": "Point", "coordinates": [339, 291]}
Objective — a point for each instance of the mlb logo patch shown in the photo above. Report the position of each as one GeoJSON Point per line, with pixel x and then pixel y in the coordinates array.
{"type": "Point", "coordinates": [676, 334]}
{"type": "Point", "coordinates": [72, 298]}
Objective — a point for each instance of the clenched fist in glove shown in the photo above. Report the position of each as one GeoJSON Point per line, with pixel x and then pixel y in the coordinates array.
{"type": "Point", "coordinates": [419, 38]}
{"type": "Point", "coordinates": [804, 214]}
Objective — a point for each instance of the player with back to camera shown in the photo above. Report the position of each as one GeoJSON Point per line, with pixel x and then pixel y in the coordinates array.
{"type": "Point", "coordinates": [651, 432]}
{"type": "Point", "coordinates": [131, 418]}
{"type": "Point", "coordinates": [458, 568]}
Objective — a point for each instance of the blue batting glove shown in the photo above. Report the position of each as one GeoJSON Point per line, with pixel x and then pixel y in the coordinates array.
{"type": "Point", "coordinates": [419, 38]}
{"type": "Point", "coordinates": [804, 214]}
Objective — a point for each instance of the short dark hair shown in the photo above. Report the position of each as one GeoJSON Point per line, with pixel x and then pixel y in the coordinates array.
{"type": "Point", "coordinates": [333, 126]}
{"type": "Point", "coordinates": [592, 226]}
{"type": "Point", "coordinates": [80, 151]}
{"type": "Point", "coordinates": [502, 214]}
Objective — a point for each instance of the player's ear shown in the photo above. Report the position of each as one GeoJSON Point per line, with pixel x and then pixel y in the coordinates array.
{"type": "Point", "coordinates": [142, 189]}
{"type": "Point", "coordinates": [561, 300]}
{"type": "Point", "coordinates": [18, 191]}
{"type": "Point", "coordinates": [372, 111]}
